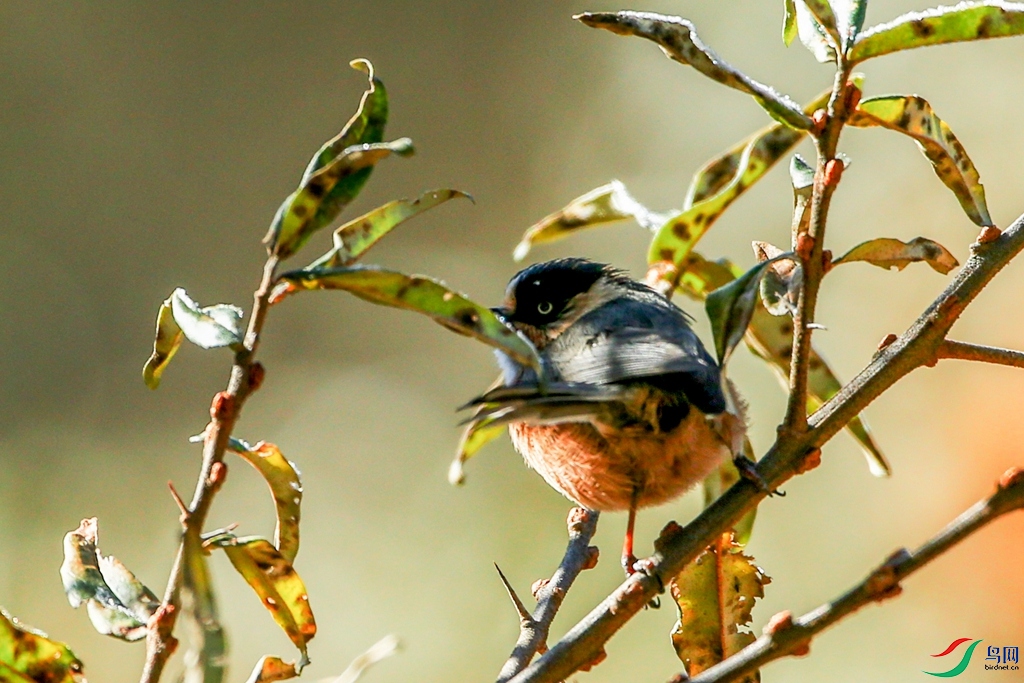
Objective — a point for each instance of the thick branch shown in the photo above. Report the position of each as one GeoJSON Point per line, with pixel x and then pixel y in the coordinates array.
{"type": "Point", "coordinates": [985, 354]}
{"type": "Point", "coordinates": [579, 555]}
{"type": "Point", "coordinates": [785, 636]}
{"type": "Point", "coordinates": [680, 545]}
{"type": "Point", "coordinates": [226, 408]}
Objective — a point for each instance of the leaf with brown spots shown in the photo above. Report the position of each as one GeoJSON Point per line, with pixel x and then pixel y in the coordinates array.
{"type": "Point", "coordinates": [276, 583]}
{"type": "Point", "coordinates": [939, 25]}
{"type": "Point", "coordinates": [823, 15]}
{"type": "Point", "coordinates": [28, 655]}
{"type": "Point", "coordinates": [715, 595]}
{"type": "Point", "coordinates": [679, 41]}
{"type": "Point", "coordinates": [354, 238]}
{"type": "Point", "coordinates": [887, 253]}
{"type": "Point", "coordinates": [270, 669]}
{"type": "Point", "coordinates": [771, 339]}
{"type": "Point", "coordinates": [813, 35]}
{"type": "Point", "coordinates": [414, 293]}
{"type": "Point", "coordinates": [605, 204]}
{"type": "Point", "coordinates": [282, 477]}
{"type": "Point", "coordinates": [913, 116]}
{"type": "Point", "coordinates": [119, 605]}
{"type": "Point", "coordinates": [165, 345]}
{"type": "Point", "coordinates": [720, 182]}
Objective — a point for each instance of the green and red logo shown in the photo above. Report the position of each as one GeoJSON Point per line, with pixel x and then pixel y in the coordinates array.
{"type": "Point", "coordinates": [1005, 659]}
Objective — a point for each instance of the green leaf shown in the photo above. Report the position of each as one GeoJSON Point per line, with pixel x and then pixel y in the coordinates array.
{"type": "Point", "coordinates": [813, 35]}
{"type": "Point", "coordinates": [270, 669]}
{"type": "Point", "coordinates": [354, 238]}
{"type": "Point", "coordinates": [207, 656]}
{"type": "Point", "coordinates": [715, 595]}
{"type": "Point", "coordinates": [29, 655]}
{"type": "Point", "coordinates": [414, 293]}
{"type": "Point", "coordinates": [789, 23]}
{"type": "Point", "coordinates": [276, 583]}
{"type": "Point", "coordinates": [322, 195]}
{"type": "Point", "coordinates": [771, 339]}
{"type": "Point", "coordinates": [852, 21]}
{"type": "Point", "coordinates": [119, 605]}
{"type": "Point", "coordinates": [210, 327]}
{"type": "Point", "coordinates": [678, 39]}
{"type": "Point", "coordinates": [731, 307]}
{"type": "Point", "coordinates": [913, 116]}
{"type": "Point", "coordinates": [282, 477]}
{"type": "Point", "coordinates": [605, 204]}
{"type": "Point", "coordinates": [963, 21]}
{"type": "Point", "coordinates": [720, 182]}
{"type": "Point", "coordinates": [165, 345]}
{"type": "Point", "coordinates": [822, 12]}
{"type": "Point", "coordinates": [889, 253]}
{"type": "Point", "coordinates": [476, 435]}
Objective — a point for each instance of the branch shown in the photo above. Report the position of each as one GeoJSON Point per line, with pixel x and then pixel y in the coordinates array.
{"type": "Point", "coordinates": [678, 546]}
{"type": "Point", "coordinates": [985, 354]}
{"type": "Point", "coordinates": [246, 376]}
{"type": "Point", "coordinates": [786, 636]}
{"type": "Point", "coordinates": [533, 630]}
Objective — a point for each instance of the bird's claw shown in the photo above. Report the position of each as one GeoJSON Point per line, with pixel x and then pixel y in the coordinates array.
{"type": "Point", "coordinates": [748, 470]}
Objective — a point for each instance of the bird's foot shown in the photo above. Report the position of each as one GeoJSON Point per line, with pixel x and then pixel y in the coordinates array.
{"type": "Point", "coordinates": [644, 566]}
{"type": "Point", "coordinates": [748, 470]}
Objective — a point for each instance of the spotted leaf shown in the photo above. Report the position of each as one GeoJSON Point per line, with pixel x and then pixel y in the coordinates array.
{"type": "Point", "coordinates": [270, 669]}
{"type": "Point", "coordinates": [282, 476]}
{"type": "Point", "coordinates": [886, 252]}
{"type": "Point", "coordinates": [28, 655]}
{"type": "Point", "coordinates": [913, 116]}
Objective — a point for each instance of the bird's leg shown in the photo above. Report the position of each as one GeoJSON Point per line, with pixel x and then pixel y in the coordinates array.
{"type": "Point", "coordinates": [628, 558]}
{"type": "Point", "coordinates": [748, 470]}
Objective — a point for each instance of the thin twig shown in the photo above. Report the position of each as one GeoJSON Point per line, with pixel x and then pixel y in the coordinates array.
{"type": "Point", "coordinates": [785, 635]}
{"type": "Point", "coordinates": [224, 412]}
{"type": "Point", "coordinates": [680, 545]}
{"type": "Point", "coordinates": [533, 632]}
{"type": "Point", "coordinates": [985, 354]}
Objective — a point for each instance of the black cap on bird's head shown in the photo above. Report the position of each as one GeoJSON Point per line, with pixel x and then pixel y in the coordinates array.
{"type": "Point", "coordinates": [542, 294]}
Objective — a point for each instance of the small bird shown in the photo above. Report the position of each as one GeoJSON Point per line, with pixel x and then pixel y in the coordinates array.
{"type": "Point", "coordinates": [633, 411]}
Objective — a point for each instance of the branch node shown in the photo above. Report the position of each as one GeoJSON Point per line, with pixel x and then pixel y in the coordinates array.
{"type": "Point", "coordinates": [779, 622]}
{"type": "Point", "coordinates": [524, 616]}
{"type": "Point", "coordinates": [538, 586]}
{"type": "Point", "coordinates": [223, 405]}
{"type": "Point", "coordinates": [826, 262]}
{"type": "Point", "coordinates": [810, 461]}
{"type": "Point", "coordinates": [1011, 478]}
{"type": "Point", "coordinates": [804, 246]}
{"type": "Point", "coordinates": [884, 583]}
{"type": "Point", "coordinates": [577, 518]}
{"type": "Point", "coordinates": [668, 535]}
{"type": "Point", "coordinates": [887, 341]}
{"type": "Point", "coordinates": [593, 553]}
{"type": "Point", "coordinates": [988, 234]}
{"type": "Point", "coordinates": [820, 119]}
{"type": "Point", "coordinates": [598, 658]}
{"type": "Point", "coordinates": [834, 172]}
{"type": "Point", "coordinates": [218, 473]}
{"type": "Point", "coordinates": [255, 376]}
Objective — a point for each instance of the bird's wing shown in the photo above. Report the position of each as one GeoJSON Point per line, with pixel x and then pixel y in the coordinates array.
{"type": "Point", "coordinates": [556, 403]}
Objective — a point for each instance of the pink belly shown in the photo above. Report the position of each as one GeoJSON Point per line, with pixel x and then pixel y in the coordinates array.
{"type": "Point", "coordinates": [601, 472]}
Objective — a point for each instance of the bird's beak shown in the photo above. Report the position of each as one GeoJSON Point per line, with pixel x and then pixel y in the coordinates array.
{"type": "Point", "coordinates": [502, 313]}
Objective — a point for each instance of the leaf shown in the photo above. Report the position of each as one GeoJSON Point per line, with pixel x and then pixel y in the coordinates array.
{"type": "Point", "coordinates": [720, 481]}
{"type": "Point", "coordinates": [889, 253]}
{"type": "Point", "coordinates": [715, 595]}
{"type": "Point", "coordinates": [322, 195]}
{"type": "Point", "coordinates": [781, 283]}
{"type": "Point", "coordinates": [789, 23]}
{"type": "Point", "coordinates": [813, 35]}
{"type": "Point", "coordinates": [678, 39]}
{"type": "Point", "coordinates": [822, 12]}
{"type": "Point", "coordinates": [207, 658]}
{"type": "Point", "coordinates": [605, 204]}
{"type": "Point", "coordinates": [913, 116]}
{"type": "Point", "coordinates": [210, 327]}
{"type": "Point", "coordinates": [119, 604]}
{"type": "Point", "coordinates": [381, 650]}
{"type": "Point", "coordinates": [282, 477]}
{"type": "Point", "coordinates": [720, 182]}
{"type": "Point", "coordinates": [963, 21]}
{"type": "Point", "coordinates": [414, 293]}
{"type": "Point", "coordinates": [476, 435]}
{"type": "Point", "coordinates": [29, 655]}
{"type": "Point", "coordinates": [165, 345]}
{"type": "Point", "coordinates": [270, 669]}
{"type": "Point", "coordinates": [353, 239]}
{"type": "Point", "coordinates": [852, 22]}
{"type": "Point", "coordinates": [771, 339]}
{"type": "Point", "coordinates": [731, 307]}
{"type": "Point", "coordinates": [277, 583]}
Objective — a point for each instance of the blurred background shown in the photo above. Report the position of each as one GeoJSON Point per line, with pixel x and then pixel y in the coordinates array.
{"type": "Point", "coordinates": [146, 146]}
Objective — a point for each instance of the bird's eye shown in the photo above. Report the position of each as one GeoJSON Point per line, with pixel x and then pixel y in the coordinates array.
{"type": "Point", "coordinates": [544, 307]}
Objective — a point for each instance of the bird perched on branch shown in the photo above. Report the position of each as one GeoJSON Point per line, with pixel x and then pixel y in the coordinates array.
{"type": "Point", "coordinates": [633, 411]}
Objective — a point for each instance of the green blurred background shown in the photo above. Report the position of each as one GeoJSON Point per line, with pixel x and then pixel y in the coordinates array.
{"type": "Point", "coordinates": [146, 146]}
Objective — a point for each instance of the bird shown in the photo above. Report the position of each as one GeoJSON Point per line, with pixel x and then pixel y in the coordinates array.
{"type": "Point", "coordinates": [630, 410]}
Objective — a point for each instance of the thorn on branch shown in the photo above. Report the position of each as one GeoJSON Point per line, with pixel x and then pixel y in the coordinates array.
{"type": "Point", "coordinates": [179, 502]}
{"type": "Point", "coordinates": [524, 616]}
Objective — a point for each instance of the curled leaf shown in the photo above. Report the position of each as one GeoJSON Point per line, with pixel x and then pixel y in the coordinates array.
{"type": "Point", "coordinates": [715, 595]}
{"type": "Point", "coordinates": [678, 39]}
{"type": "Point", "coordinates": [210, 327]}
{"type": "Point", "coordinates": [960, 22]}
{"type": "Point", "coordinates": [781, 283]}
{"type": "Point", "coordinates": [813, 35]}
{"type": "Point", "coordinates": [119, 605]}
{"type": "Point", "coordinates": [823, 15]}
{"type": "Point", "coordinates": [476, 435]}
{"type": "Point", "coordinates": [605, 204]}
{"type": "Point", "coordinates": [276, 583]}
{"type": "Point", "coordinates": [887, 253]}
{"type": "Point", "coordinates": [414, 293]}
{"type": "Point", "coordinates": [354, 238]}
{"type": "Point", "coordinates": [913, 116]}
{"type": "Point", "coordinates": [323, 194]}
{"type": "Point", "coordinates": [28, 655]}
{"type": "Point", "coordinates": [282, 477]}
{"type": "Point", "coordinates": [270, 669]}
{"type": "Point", "coordinates": [165, 345]}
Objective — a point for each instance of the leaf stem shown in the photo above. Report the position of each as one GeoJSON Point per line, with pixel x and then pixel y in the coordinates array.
{"type": "Point", "coordinates": [785, 635]}
{"type": "Point", "coordinates": [224, 413]}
